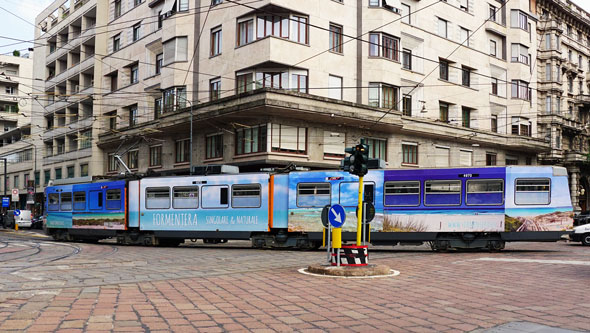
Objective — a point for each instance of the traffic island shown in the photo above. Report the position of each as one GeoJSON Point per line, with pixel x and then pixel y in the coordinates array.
{"type": "Point", "coordinates": [352, 271]}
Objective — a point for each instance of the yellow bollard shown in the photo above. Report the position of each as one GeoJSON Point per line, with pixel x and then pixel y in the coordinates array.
{"type": "Point", "coordinates": [15, 225]}
{"type": "Point", "coordinates": [337, 238]}
{"type": "Point", "coordinates": [324, 237]}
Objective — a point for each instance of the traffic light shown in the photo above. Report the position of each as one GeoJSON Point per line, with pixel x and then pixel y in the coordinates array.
{"type": "Point", "coordinates": [357, 162]}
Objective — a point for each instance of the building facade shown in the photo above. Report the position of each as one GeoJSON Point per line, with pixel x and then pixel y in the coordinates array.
{"type": "Point", "coordinates": [174, 84]}
{"type": "Point", "coordinates": [17, 149]}
{"type": "Point", "coordinates": [563, 85]}
{"type": "Point", "coordinates": [70, 44]}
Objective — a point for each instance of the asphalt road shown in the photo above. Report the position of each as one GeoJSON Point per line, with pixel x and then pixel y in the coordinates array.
{"type": "Point", "coordinates": [50, 286]}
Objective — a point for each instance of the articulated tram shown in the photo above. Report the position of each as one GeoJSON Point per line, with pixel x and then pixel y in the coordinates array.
{"type": "Point", "coordinates": [450, 208]}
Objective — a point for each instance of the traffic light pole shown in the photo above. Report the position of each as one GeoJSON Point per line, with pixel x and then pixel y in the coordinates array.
{"type": "Point", "coordinates": [359, 218]}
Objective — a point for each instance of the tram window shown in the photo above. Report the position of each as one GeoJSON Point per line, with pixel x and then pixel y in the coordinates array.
{"type": "Point", "coordinates": [313, 194]}
{"type": "Point", "coordinates": [114, 199]}
{"type": "Point", "coordinates": [532, 191]}
{"type": "Point", "coordinates": [157, 198]}
{"type": "Point", "coordinates": [66, 201]}
{"type": "Point", "coordinates": [348, 194]}
{"type": "Point", "coordinates": [95, 200]}
{"type": "Point", "coordinates": [245, 196]}
{"type": "Point", "coordinates": [79, 200]}
{"type": "Point", "coordinates": [442, 192]}
{"type": "Point", "coordinates": [402, 193]}
{"type": "Point", "coordinates": [215, 196]}
{"type": "Point", "coordinates": [185, 197]}
{"type": "Point", "coordinates": [53, 202]}
{"type": "Point", "coordinates": [485, 192]}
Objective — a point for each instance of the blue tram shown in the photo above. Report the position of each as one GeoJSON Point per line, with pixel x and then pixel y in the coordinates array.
{"type": "Point", "coordinates": [451, 207]}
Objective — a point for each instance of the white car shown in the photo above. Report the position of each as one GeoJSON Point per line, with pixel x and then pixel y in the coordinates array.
{"type": "Point", "coordinates": [581, 234]}
{"type": "Point", "coordinates": [24, 219]}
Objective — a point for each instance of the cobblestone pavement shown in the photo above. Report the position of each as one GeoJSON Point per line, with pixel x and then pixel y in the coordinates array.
{"type": "Point", "coordinates": [73, 287]}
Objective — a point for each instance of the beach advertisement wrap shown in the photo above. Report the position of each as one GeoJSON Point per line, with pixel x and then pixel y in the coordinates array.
{"type": "Point", "coordinates": [241, 206]}
{"type": "Point", "coordinates": [110, 220]}
{"type": "Point", "coordinates": [310, 192]}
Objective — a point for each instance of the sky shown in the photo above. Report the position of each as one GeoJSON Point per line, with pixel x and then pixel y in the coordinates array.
{"type": "Point", "coordinates": [13, 27]}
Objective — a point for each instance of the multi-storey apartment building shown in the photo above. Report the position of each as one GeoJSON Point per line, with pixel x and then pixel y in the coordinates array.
{"type": "Point", "coordinates": [564, 101]}
{"type": "Point", "coordinates": [428, 83]}
{"type": "Point", "coordinates": [17, 149]}
{"type": "Point", "coordinates": [70, 42]}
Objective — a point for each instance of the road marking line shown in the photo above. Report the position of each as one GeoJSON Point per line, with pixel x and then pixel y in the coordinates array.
{"type": "Point", "coordinates": [539, 261]}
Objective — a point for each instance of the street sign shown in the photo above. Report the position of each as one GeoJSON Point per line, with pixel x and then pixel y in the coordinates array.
{"type": "Point", "coordinates": [15, 194]}
{"type": "Point", "coordinates": [369, 210]}
{"type": "Point", "coordinates": [337, 216]}
{"type": "Point", "coordinates": [5, 202]}
{"type": "Point", "coordinates": [16, 212]}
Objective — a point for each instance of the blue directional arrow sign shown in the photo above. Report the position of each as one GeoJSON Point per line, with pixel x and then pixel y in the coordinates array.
{"type": "Point", "coordinates": [337, 216]}
{"type": "Point", "coordinates": [16, 212]}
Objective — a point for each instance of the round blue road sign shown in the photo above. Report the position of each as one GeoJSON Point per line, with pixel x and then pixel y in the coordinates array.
{"type": "Point", "coordinates": [16, 212]}
{"type": "Point", "coordinates": [336, 216]}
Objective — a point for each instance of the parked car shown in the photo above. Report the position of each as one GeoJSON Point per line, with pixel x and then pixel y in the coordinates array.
{"type": "Point", "coordinates": [24, 219]}
{"type": "Point", "coordinates": [37, 222]}
{"type": "Point", "coordinates": [582, 218]}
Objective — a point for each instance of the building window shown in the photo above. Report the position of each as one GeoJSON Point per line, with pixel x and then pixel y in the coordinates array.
{"type": "Point", "coordinates": [407, 105]}
{"type": "Point", "coordinates": [406, 14]}
{"type": "Point", "coordinates": [158, 108]}
{"type": "Point", "coordinates": [493, 48]}
{"type": "Point", "coordinates": [244, 82]}
{"type": "Point", "coordinates": [493, 13]}
{"type": "Point", "coordinates": [407, 59]}
{"type": "Point", "coordinates": [112, 119]}
{"type": "Point", "coordinates": [58, 173]}
{"type": "Point", "coordinates": [442, 28]}
{"type": "Point", "coordinates": [136, 3]}
{"type": "Point", "coordinates": [83, 170]}
{"type": "Point", "coordinates": [159, 62]}
{"type": "Point", "coordinates": [183, 5]}
{"type": "Point", "coordinates": [520, 53]}
{"type": "Point", "coordinates": [490, 159]}
{"type": "Point", "coordinates": [547, 41]}
{"type": "Point", "coordinates": [245, 32]}
{"type": "Point", "coordinates": [271, 25]}
{"type": "Point", "coordinates": [160, 20]}
{"type": "Point", "coordinates": [299, 83]}
{"type": "Point", "coordinates": [335, 84]}
{"type": "Point", "coordinates": [275, 80]}
{"type": "Point", "coordinates": [519, 19]}
{"type": "Point", "coordinates": [214, 89]}
{"type": "Point", "coordinates": [444, 70]}
{"type": "Point", "coordinates": [465, 117]}
{"type": "Point", "coordinates": [175, 49]}
{"type": "Point", "coordinates": [521, 126]}
{"type": "Point", "coordinates": [521, 90]}
{"type": "Point", "coordinates": [548, 104]}
{"type": "Point", "coordinates": [134, 74]}
{"type": "Point", "coordinates": [174, 98]}
{"type": "Point", "coordinates": [570, 84]}
{"type": "Point", "coordinates": [116, 42]}
{"type": "Point", "coordinates": [113, 163]}
{"type": "Point", "coordinates": [251, 140]}
{"type": "Point", "coordinates": [443, 112]}
{"type": "Point", "coordinates": [10, 90]}
{"type": "Point", "coordinates": [133, 159]}
{"type": "Point", "coordinates": [86, 139]}
{"type": "Point", "coordinates": [182, 151]}
{"type": "Point", "coordinates": [377, 148]}
{"type": "Point", "coordinates": [288, 139]}
{"type": "Point", "coordinates": [117, 8]}
{"type": "Point", "coordinates": [133, 115]}
{"type": "Point", "coordinates": [16, 183]}
{"type": "Point", "coordinates": [494, 86]}
{"type": "Point", "coordinates": [114, 78]}
{"type": "Point", "coordinates": [46, 177]}
{"type": "Point", "coordinates": [70, 171]}
{"type": "Point", "coordinates": [335, 38]}
{"type": "Point", "coordinates": [464, 36]}
{"type": "Point", "coordinates": [548, 71]}
{"type": "Point", "coordinates": [466, 76]}
{"type": "Point", "coordinates": [136, 29]}
{"type": "Point", "coordinates": [464, 4]}
{"type": "Point", "coordinates": [216, 41]}
{"type": "Point", "coordinates": [383, 95]}
{"type": "Point", "coordinates": [38, 178]}
{"type": "Point", "coordinates": [214, 144]}
{"type": "Point", "coordinates": [299, 29]}
{"type": "Point", "coordinates": [410, 153]}
{"type": "Point", "coordinates": [155, 156]}
{"type": "Point", "coordinates": [384, 45]}
{"type": "Point", "coordinates": [511, 160]}
{"type": "Point", "coordinates": [494, 124]}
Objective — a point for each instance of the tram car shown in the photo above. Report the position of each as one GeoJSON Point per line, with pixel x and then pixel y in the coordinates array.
{"type": "Point", "coordinates": [450, 208]}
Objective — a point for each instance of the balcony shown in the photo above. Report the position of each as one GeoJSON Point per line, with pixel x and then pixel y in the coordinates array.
{"type": "Point", "coordinates": [59, 104]}
{"type": "Point", "coordinates": [575, 157]}
{"type": "Point", "coordinates": [69, 156]}
{"type": "Point", "coordinates": [549, 25]}
{"type": "Point", "coordinates": [551, 118]}
{"type": "Point", "coordinates": [80, 125]}
{"type": "Point", "coordinates": [572, 125]}
{"type": "Point", "coordinates": [52, 133]}
{"type": "Point", "coordinates": [582, 99]}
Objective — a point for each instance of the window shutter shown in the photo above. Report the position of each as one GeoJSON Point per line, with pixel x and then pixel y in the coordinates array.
{"type": "Point", "coordinates": [465, 158]}
{"type": "Point", "coordinates": [441, 158]}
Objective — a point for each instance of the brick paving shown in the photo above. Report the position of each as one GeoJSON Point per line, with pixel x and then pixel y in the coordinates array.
{"type": "Point", "coordinates": [235, 288]}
